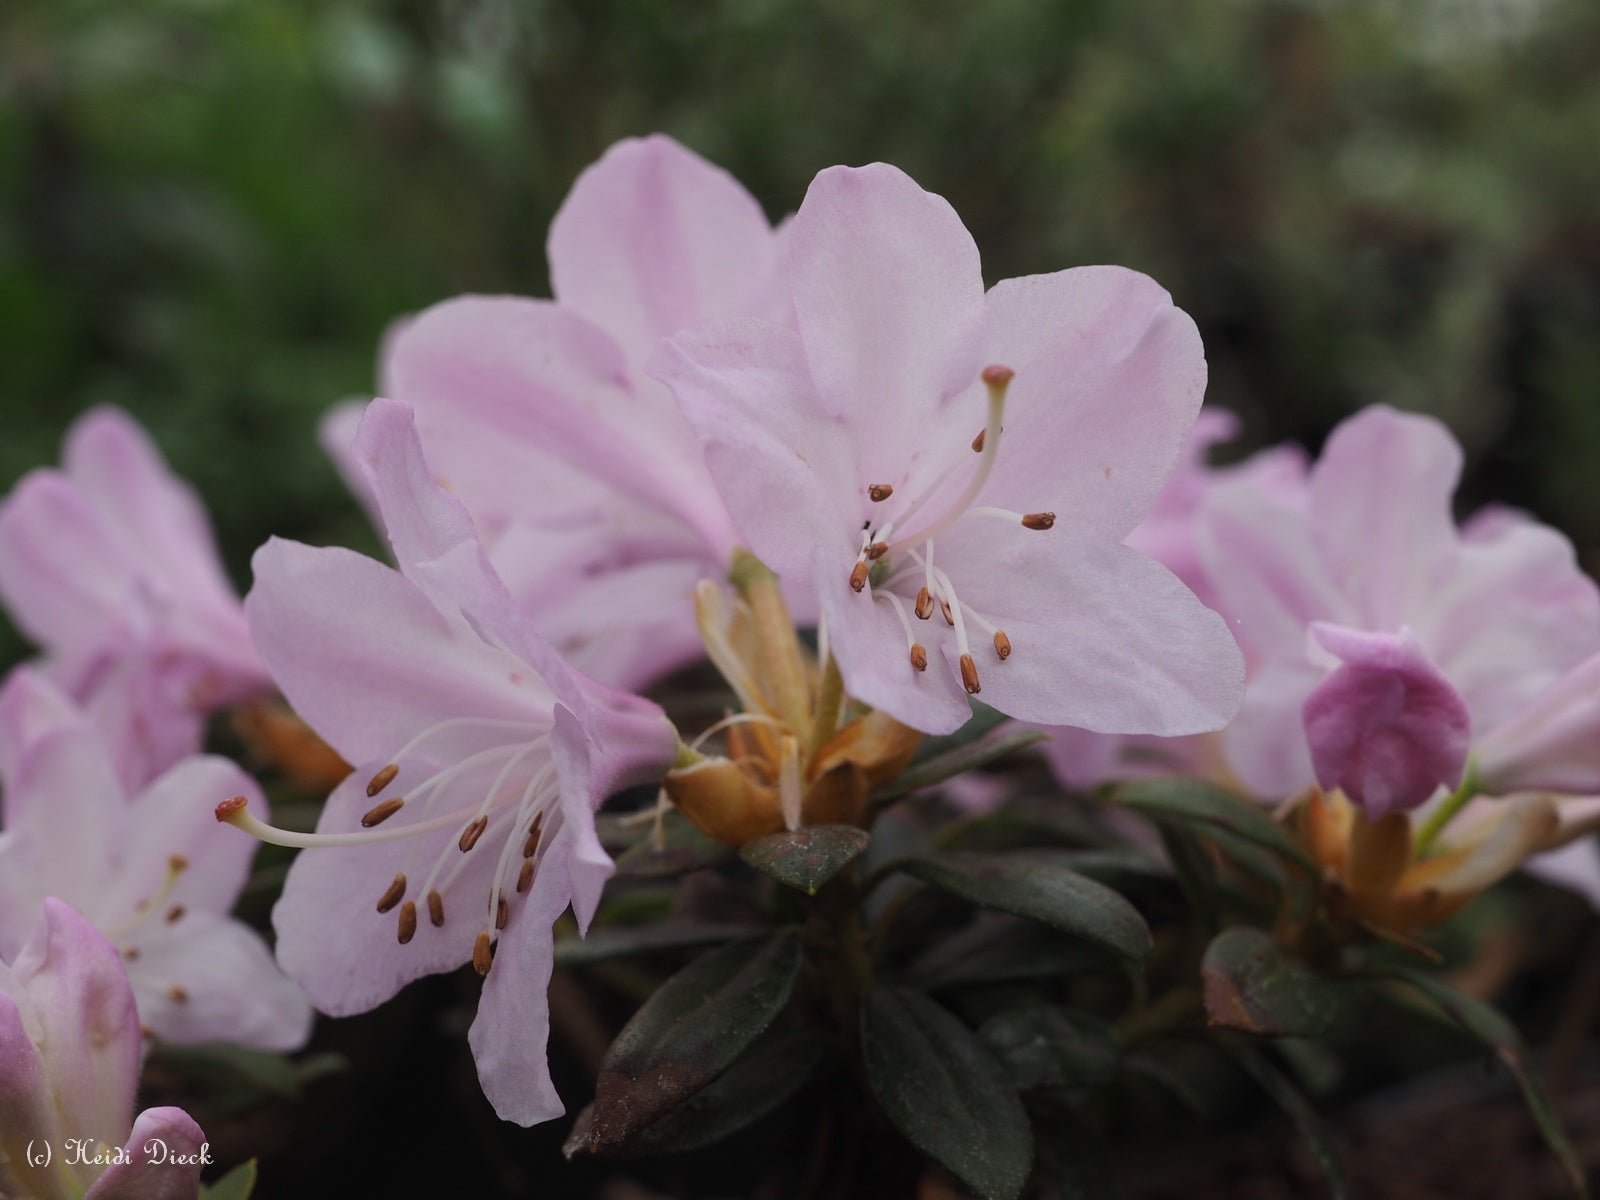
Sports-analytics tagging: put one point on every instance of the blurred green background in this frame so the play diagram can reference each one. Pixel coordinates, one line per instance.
(211, 209)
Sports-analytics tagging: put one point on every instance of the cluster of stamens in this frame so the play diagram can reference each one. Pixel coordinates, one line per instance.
(879, 542)
(527, 828)
(146, 910)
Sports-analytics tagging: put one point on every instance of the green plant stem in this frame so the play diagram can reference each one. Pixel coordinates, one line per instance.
(1162, 1015)
(1445, 813)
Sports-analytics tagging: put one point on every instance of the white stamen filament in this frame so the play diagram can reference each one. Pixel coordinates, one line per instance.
(1004, 514)
(991, 447)
(457, 723)
(734, 719)
(244, 819)
(899, 611)
(949, 592)
(480, 812)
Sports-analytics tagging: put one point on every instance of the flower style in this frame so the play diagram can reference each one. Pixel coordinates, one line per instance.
(468, 826)
(69, 1068)
(151, 871)
(846, 454)
(583, 480)
(1384, 643)
(109, 565)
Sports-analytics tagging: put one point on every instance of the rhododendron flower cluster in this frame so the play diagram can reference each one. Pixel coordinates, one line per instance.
(863, 488)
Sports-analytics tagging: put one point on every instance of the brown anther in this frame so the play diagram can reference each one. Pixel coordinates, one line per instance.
(969, 675)
(130, 953)
(949, 617)
(482, 954)
(435, 907)
(1002, 644)
(502, 913)
(382, 779)
(407, 929)
(879, 492)
(1038, 520)
(179, 993)
(146, 1032)
(177, 864)
(877, 550)
(393, 896)
(919, 656)
(977, 442)
(998, 376)
(379, 813)
(530, 844)
(175, 914)
(924, 607)
(471, 834)
(525, 877)
(858, 575)
(227, 809)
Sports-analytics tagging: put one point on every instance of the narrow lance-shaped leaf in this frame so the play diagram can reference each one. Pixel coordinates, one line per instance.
(617, 941)
(1197, 800)
(1041, 885)
(1495, 1032)
(946, 1091)
(1251, 985)
(1288, 1097)
(806, 859)
(957, 761)
(687, 1034)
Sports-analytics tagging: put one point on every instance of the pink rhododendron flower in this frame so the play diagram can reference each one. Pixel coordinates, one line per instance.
(944, 563)
(468, 826)
(69, 1069)
(583, 480)
(1381, 641)
(151, 870)
(109, 565)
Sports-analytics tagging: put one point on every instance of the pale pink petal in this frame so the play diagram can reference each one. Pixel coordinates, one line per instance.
(66, 796)
(65, 577)
(1102, 637)
(1386, 726)
(1265, 572)
(870, 646)
(786, 468)
(232, 990)
(364, 656)
(331, 938)
(652, 239)
(1552, 745)
(73, 985)
(1380, 508)
(889, 294)
(1265, 744)
(1516, 612)
(26, 1111)
(30, 707)
(336, 434)
(164, 1155)
(155, 515)
(1109, 378)
(556, 386)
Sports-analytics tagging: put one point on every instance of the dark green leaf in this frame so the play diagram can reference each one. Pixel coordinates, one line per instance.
(774, 1069)
(237, 1184)
(615, 942)
(1501, 1038)
(1039, 884)
(1283, 1092)
(1045, 1046)
(1252, 985)
(1192, 865)
(1147, 1065)
(239, 1075)
(957, 761)
(806, 858)
(1000, 949)
(687, 1034)
(1196, 800)
(983, 720)
(946, 1091)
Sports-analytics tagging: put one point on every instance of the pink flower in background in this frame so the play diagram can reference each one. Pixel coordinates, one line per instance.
(151, 870)
(468, 826)
(583, 480)
(944, 563)
(70, 1048)
(1381, 642)
(109, 565)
